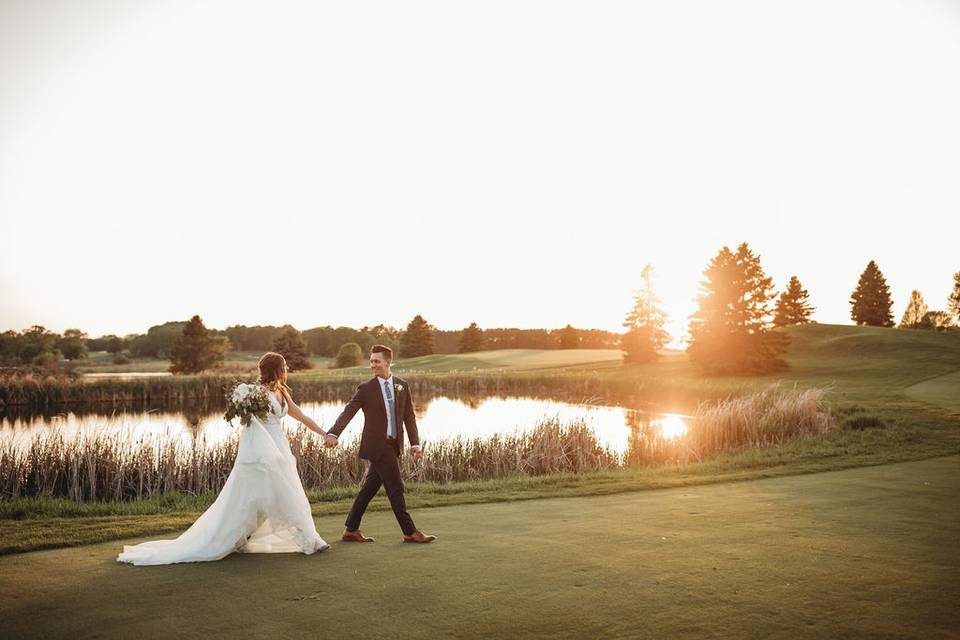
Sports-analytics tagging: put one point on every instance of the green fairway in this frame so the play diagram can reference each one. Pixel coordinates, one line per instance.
(527, 359)
(505, 359)
(942, 390)
(862, 553)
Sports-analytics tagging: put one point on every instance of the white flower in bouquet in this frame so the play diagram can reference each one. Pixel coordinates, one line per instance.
(246, 401)
(241, 392)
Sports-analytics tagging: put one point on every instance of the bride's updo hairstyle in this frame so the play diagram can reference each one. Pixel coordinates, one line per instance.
(273, 372)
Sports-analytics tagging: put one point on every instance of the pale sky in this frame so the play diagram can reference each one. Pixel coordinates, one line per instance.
(509, 163)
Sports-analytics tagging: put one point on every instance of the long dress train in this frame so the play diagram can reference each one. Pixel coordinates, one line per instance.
(262, 507)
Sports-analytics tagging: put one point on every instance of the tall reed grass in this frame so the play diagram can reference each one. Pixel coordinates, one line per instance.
(51, 393)
(114, 467)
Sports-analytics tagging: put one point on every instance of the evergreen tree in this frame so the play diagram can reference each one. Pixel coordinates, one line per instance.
(870, 303)
(936, 320)
(645, 334)
(915, 311)
(417, 340)
(731, 331)
(569, 338)
(196, 350)
(953, 302)
(471, 339)
(293, 348)
(793, 305)
(349, 355)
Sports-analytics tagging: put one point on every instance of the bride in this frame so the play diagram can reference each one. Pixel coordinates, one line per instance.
(262, 507)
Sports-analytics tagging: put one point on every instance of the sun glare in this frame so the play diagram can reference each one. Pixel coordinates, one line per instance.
(672, 426)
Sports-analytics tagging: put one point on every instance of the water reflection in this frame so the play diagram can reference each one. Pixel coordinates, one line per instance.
(439, 418)
(672, 425)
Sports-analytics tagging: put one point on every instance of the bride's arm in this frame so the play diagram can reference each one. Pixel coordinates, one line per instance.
(294, 411)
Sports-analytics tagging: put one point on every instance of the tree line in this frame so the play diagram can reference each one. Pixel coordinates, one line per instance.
(197, 348)
(192, 347)
(735, 328)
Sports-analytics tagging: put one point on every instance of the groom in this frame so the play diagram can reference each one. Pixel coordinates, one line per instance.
(387, 408)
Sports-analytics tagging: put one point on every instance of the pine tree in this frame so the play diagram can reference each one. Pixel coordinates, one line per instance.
(569, 338)
(471, 339)
(731, 332)
(793, 305)
(291, 345)
(953, 302)
(915, 311)
(196, 350)
(645, 335)
(417, 340)
(870, 303)
(935, 320)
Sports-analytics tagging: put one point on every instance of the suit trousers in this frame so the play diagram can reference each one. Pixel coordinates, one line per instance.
(385, 471)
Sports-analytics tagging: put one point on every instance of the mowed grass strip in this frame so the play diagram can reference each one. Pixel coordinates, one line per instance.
(870, 552)
(942, 390)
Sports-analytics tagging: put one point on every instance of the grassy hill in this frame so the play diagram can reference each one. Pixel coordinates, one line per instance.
(871, 362)
(900, 357)
(502, 359)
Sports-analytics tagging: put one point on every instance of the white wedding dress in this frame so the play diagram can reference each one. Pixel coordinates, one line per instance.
(261, 509)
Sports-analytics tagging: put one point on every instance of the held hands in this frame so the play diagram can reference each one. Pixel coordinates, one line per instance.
(330, 441)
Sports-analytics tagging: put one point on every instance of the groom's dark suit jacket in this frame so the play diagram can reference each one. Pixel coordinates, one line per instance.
(369, 397)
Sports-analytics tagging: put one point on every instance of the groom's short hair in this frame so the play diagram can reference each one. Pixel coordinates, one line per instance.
(382, 348)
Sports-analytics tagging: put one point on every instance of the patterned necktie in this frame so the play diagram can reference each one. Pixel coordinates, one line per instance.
(389, 393)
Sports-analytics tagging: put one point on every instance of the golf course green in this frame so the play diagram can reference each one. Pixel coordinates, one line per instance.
(859, 553)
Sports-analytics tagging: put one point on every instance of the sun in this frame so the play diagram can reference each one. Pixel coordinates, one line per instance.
(672, 426)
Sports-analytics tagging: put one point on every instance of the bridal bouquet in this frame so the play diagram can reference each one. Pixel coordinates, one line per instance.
(245, 401)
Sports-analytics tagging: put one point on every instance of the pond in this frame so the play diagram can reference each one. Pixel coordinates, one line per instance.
(439, 418)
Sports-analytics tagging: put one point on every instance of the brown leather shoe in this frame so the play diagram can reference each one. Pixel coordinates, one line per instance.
(419, 536)
(354, 536)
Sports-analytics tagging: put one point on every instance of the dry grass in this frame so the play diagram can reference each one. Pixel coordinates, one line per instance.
(54, 393)
(115, 467)
(764, 419)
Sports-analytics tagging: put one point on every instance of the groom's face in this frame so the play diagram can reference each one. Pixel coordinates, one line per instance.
(380, 365)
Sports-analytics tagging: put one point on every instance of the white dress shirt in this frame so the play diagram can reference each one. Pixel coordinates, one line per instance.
(391, 416)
